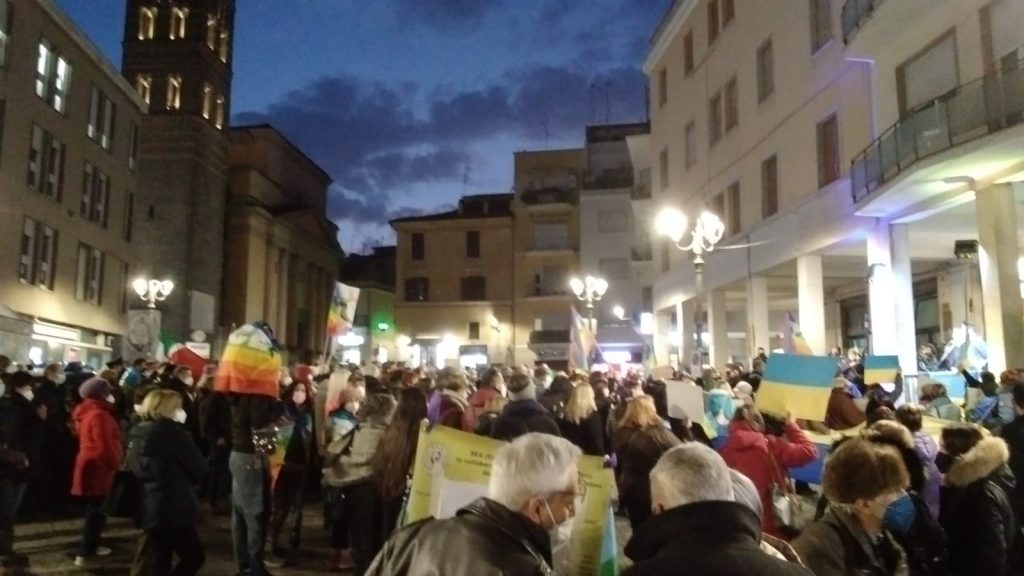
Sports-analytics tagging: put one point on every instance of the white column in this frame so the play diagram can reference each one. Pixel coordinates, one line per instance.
(998, 254)
(881, 298)
(757, 315)
(684, 330)
(719, 352)
(687, 335)
(662, 325)
(903, 292)
(811, 295)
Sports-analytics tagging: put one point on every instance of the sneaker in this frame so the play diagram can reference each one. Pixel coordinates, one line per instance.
(102, 552)
(81, 562)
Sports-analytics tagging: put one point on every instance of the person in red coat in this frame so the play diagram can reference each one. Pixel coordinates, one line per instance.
(765, 459)
(97, 463)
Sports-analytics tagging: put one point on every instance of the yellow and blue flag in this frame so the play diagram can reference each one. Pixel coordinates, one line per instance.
(881, 369)
(800, 385)
(794, 341)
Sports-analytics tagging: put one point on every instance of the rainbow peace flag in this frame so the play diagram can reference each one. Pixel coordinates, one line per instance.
(250, 364)
(881, 369)
(284, 436)
(801, 385)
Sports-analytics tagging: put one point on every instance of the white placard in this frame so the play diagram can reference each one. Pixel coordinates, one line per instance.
(685, 400)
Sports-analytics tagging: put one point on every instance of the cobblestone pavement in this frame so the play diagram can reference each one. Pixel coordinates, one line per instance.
(50, 547)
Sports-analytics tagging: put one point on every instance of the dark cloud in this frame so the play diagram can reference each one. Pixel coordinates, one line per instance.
(442, 15)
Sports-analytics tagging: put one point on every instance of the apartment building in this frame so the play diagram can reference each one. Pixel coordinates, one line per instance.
(282, 252)
(69, 162)
(847, 147)
(546, 251)
(455, 284)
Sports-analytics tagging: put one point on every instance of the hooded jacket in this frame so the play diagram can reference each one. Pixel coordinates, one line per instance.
(705, 539)
(99, 451)
(765, 460)
(483, 538)
(977, 511)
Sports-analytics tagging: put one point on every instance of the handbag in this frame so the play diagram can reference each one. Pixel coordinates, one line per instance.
(787, 507)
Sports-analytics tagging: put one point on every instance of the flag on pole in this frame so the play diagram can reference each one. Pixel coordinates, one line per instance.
(250, 364)
(582, 343)
(340, 313)
(801, 385)
(795, 343)
(170, 350)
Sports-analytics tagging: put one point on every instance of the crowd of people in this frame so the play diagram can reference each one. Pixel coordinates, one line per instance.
(702, 497)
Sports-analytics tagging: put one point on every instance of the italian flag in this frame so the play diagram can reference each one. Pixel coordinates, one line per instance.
(170, 350)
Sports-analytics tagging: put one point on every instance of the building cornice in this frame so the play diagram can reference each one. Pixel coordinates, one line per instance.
(668, 29)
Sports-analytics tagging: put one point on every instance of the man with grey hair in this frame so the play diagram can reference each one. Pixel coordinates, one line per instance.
(532, 492)
(523, 414)
(697, 526)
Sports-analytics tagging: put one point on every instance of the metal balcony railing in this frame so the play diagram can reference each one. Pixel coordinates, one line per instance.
(540, 196)
(608, 179)
(855, 12)
(971, 111)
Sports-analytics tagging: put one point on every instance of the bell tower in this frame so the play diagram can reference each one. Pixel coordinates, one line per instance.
(177, 54)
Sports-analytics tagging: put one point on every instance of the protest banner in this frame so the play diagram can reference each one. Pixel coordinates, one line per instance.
(452, 469)
(685, 400)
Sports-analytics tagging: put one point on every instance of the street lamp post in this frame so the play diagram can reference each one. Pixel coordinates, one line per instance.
(707, 232)
(152, 291)
(589, 290)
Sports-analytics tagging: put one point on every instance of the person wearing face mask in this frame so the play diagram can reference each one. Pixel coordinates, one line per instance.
(168, 466)
(56, 460)
(531, 500)
(865, 485)
(21, 430)
(287, 487)
(697, 526)
(492, 384)
(977, 510)
(97, 463)
(182, 382)
(340, 424)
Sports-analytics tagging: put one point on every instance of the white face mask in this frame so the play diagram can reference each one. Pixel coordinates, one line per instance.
(286, 381)
(61, 378)
(188, 381)
(558, 533)
(12, 368)
(27, 394)
(110, 398)
(352, 407)
(299, 398)
(2, 389)
(179, 416)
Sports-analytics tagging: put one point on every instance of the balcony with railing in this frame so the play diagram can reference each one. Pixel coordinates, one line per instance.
(550, 337)
(980, 108)
(610, 179)
(549, 196)
(642, 253)
(855, 14)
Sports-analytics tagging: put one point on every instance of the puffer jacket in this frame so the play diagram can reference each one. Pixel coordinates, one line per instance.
(99, 452)
(927, 450)
(349, 459)
(766, 460)
(977, 511)
(638, 450)
(836, 545)
(483, 538)
(169, 465)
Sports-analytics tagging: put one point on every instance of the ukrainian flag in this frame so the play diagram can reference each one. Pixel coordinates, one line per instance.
(881, 369)
(800, 385)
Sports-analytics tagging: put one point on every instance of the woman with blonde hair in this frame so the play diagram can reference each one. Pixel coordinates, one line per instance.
(581, 423)
(639, 441)
(162, 455)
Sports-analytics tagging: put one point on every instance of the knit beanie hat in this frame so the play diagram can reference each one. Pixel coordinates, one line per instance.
(95, 388)
(521, 387)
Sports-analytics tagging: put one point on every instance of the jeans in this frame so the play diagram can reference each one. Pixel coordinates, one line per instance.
(92, 528)
(158, 547)
(249, 511)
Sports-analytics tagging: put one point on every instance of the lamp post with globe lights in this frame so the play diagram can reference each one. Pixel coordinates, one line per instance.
(152, 291)
(707, 232)
(589, 290)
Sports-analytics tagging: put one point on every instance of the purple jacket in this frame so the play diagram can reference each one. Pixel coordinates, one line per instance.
(927, 450)
(434, 407)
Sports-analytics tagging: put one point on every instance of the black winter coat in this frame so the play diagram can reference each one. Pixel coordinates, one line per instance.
(1013, 433)
(169, 465)
(522, 417)
(21, 429)
(977, 512)
(705, 539)
(483, 538)
(638, 450)
(215, 415)
(588, 435)
(251, 412)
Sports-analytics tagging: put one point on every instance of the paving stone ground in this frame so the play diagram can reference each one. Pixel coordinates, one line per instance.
(50, 545)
